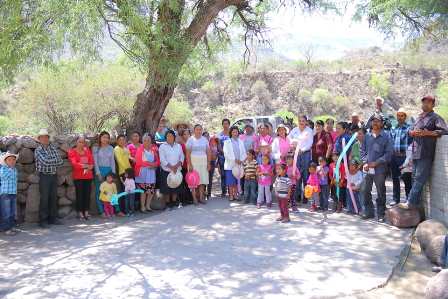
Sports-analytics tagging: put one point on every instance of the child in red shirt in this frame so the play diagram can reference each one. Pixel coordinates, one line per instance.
(339, 202)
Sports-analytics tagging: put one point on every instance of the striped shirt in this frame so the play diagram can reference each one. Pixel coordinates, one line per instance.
(8, 180)
(47, 159)
(282, 185)
(250, 170)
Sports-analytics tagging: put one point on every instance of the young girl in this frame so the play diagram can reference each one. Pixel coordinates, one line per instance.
(406, 171)
(294, 177)
(338, 201)
(265, 174)
(322, 172)
(129, 186)
(250, 178)
(107, 189)
(354, 180)
(282, 189)
(313, 181)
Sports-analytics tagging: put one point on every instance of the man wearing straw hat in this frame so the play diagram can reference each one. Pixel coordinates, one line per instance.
(47, 160)
(8, 193)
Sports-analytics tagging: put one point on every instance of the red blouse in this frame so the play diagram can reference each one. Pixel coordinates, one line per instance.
(77, 160)
(320, 145)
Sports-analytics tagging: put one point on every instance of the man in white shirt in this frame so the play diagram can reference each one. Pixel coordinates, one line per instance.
(301, 139)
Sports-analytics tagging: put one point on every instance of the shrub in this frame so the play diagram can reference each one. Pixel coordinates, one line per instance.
(380, 84)
(442, 97)
(5, 124)
(320, 96)
(209, 86)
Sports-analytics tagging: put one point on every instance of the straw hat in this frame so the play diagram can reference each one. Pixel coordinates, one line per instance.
(43, 132)
(284, 127)
(174, 179)
(402, 110)
(6, 155)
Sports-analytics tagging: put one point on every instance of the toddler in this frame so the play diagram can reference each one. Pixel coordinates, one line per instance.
(8, 193)
(338, 200)
(265, 174)
(250, 178)
(354, 180)
(313, 181)
(107, 189)
(282, 191)
(129, 186)
(322, 172)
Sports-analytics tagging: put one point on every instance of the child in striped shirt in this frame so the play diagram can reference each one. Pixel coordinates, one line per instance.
(282, 191)
(250, 178)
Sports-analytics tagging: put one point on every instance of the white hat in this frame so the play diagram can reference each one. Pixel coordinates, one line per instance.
(284, 127)
(355, 114)
(43, 132)
(402, 110)
(238, 171)
(6, 155)
(174, 179)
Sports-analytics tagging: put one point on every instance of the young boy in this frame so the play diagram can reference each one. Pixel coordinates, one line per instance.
(250, 178)
(354, 180)
(322, 172)
(282, 191)
(8, 193)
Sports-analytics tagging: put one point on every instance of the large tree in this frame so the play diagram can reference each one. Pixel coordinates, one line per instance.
(158, 35)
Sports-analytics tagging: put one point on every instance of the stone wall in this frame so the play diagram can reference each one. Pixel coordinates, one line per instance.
(28, 185)
(435, 196)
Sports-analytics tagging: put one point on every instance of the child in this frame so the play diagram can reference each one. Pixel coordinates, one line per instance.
(338, 201)
(8, 193)
(265, 174)
(294, 177)
(213, 143)
(322, 172)
(250, 178)
(406, 171)
(107, 189)
(313, 180)
(282, 191)
(354, 180)
(129, 186)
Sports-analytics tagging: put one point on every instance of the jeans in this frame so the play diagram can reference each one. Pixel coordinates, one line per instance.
(380, 184)
(83, 188)
(103, 171)
(130, 203)
(395, 164)
(223, 177)
(357, 196)
(48, 207)
(323, 196)
(444, 257)
(264, 192)
(407, 179)
(250, 191)
(210, 177)
(420, 174)
(8, 204)
(303, 163)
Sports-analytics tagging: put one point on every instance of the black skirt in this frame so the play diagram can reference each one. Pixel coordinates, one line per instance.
(164, 189)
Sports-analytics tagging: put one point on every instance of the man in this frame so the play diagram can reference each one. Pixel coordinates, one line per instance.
(427, 128)
(301, 138)
(248, 137)
(47, 160)
(379, 109)
(376, 151)
(223, 136)
(356, 121)
(401, 141)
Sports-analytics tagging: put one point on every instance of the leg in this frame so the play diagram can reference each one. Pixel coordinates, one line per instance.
(367, 195)
(407, 180)
(421, 173)
(395, 164)
(252, 191)
(292, 199)
(5, 212)
(131, 198)
(79, 194)
(247, 190)
(99, 203)
(210, 178)
(285, 208)
(260, 197)
(44, 190)
(87, 192)
(149, 196)
(326, 193)
(350, 207)
(268, 195)
(223, 178)
(380, 184)
(143, 201)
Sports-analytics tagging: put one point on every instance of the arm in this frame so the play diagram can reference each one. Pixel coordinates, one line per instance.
(6, 173)
(95, 159)
(441, 127)
(73, 158)
(112, 160)
(363, 150)
(309, 138)
(181, 156)
(162, 154)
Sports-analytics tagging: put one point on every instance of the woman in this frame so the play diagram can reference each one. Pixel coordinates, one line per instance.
(322, 143)
(82, 162)
(198, 155)
(185, 197)
(103, 155)
(146, 162)
(122, 155)
(213, 144)
(341, 134)
(235, 154)
(281, 145)
(171, 160)
(134, 145)
(248, 137)
(263, 142)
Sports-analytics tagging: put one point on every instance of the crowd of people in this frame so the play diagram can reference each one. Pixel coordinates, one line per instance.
(313, 164)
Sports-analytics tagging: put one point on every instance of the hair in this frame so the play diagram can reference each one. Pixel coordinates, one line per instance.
(225, 120)
(168, 132)
(206, 134)
(321, 159)
(311, 124)
(110, 174)
(303, 116)
(313, 165)
(343, 125)
(320, 122)
(130, 173)
(103, 133)
(354, 162)
(148, 135)
(289, 156)
(233, 128)
(252, 152)
(182, 132)
(266, 156)
(197, 126)
(249, 126)
(136, 132)
(329, 120)
(282, 166)
(121, 136)
(363, 129)
(355, 128)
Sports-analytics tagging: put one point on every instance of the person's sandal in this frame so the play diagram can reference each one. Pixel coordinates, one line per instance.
(10, 232)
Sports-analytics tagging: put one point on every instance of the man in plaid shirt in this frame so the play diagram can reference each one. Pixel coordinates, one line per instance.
(401, 140)
(8, 193)
(47, 160)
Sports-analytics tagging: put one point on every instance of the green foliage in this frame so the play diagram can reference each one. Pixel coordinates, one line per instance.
(284, 113)
(304, 95)
(442, 97)
(380, 84)
(341, 101)
(320, 96)
(178, 111)
(209, 86)
(324, 117)
(5, 125)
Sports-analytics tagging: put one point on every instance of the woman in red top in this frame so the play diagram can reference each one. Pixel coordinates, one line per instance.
(322, 143)
(82, 162)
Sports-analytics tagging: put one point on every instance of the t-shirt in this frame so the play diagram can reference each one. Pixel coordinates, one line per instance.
(107, 190)
(355, 179)
(122, 157)
(322, 172)
(250, 170)
(197, 146)
(281, 186)
(129, 185)
(265, 180)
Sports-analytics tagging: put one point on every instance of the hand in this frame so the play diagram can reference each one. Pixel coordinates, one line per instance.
(238, 162)
(366, 167)
(416, 133)
(89, 167)
(100, 177)
(373, 164)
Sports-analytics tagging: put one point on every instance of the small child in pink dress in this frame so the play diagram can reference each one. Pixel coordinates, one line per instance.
(265, 174)
(313, 181)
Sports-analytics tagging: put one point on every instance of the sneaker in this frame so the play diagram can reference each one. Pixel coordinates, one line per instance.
(121, 214)
(180, 206)
(436, 269)
(279, 219)
(366, 217)
(407, 206)
(381, 220)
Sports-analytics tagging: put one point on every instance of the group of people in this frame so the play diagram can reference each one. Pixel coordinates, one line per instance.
(315, 161)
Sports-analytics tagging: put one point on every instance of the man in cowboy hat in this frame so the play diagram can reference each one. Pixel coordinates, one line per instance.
(401, 140)
(47, 160)
(8, 193)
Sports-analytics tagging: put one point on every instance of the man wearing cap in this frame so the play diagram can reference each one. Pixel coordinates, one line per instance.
(401, 140)
(8, 193)
(379, 109)
(376, 152)
(427, 128)
(47, 160)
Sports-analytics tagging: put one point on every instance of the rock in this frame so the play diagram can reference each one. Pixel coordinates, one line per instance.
(403, 218)
(158, 203)
(21, 198)
(65, 180)
(22, 177)
(62, 191)
(71, 193)
(64, 170)
(29, 142)
(29, 168)
(32, 204)
(26, 156)
(437, 287)
(13, 149)
(64, 201)
(33, 178)
(22, 186)
(427, 230)
(434, 250)
(63, 154)
(64, 211)
(8, 141)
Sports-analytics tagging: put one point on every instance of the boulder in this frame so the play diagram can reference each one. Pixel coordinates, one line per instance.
(64, 211)
(29, 142)
(62, 153)
(434, 250)
(71, 193)
(437, 287)
(427, 230)
(12, 149)
(32, 203)
(26, 156)
(9, 140)
(64, 201)
(61, 191)
(65, 180)
(64, 170)
(158, 203)
(22, 177)
(33, 178)
(29, 168)
(22, 186)
(403, 218)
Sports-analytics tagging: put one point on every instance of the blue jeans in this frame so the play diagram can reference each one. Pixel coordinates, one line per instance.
(303, 163)
(395, 164)
(222, 172)
(250, 191)
(324, 195)
(357, 196)
(7, 211)
(210, 177)
(420, 174)
(130, 203)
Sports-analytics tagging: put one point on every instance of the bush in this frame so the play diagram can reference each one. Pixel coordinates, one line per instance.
(320, 96)
(341, 101)
(380, 84)
(5, 124)
(442, 97)
(209, 86)
(304, 95)
(287, 114)
(324, 118)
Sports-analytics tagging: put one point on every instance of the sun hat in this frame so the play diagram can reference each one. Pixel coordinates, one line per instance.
(43, 132)
(192, 178)
(174, 179)
(284, 127)
(6, 155)
(238, 171)
(402, 110)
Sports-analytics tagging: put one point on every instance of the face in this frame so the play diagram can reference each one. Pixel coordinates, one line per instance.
(170, 138)
(319, 128)
(282, 132)
(265, 160)
(280, 170)
(250, 157)
(302, 122)
(322, 162)
(234, 134)
(10, 161)
(329, 126)
(197, 131)
(263, 130)
(225, 125)
(401, 117)
(109, 179)
(121, 141)
(427, 106)
(45, 140)
(355, 119)
(147, 142)
(105, 139)
(339, 130)
(312, 170)
(334, 158)
(135, 138)
(186, 135)
(379, 103)
(81, 142)
(377, 124)
(353, 167)
(360, 136)
(290, 161)
(249, 131)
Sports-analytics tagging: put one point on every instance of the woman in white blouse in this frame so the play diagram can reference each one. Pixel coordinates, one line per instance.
(235, 154)
(171, 159)
(198, 153)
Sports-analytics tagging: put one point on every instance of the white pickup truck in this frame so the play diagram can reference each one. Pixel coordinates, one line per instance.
(272, 120)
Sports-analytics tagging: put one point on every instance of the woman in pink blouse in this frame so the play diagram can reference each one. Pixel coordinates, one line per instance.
(263, 143)
(281, 145)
